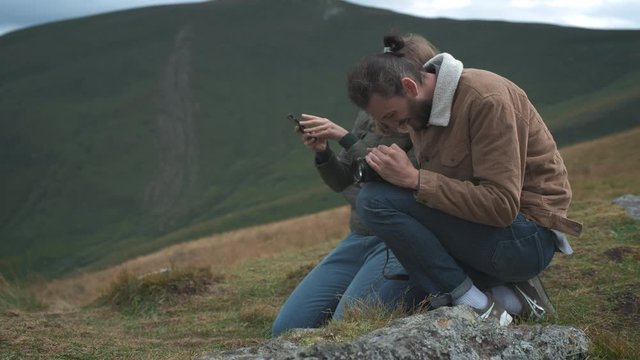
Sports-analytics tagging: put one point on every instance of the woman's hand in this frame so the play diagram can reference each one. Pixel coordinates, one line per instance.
(314, 143)
(322, 128)
(393, 164)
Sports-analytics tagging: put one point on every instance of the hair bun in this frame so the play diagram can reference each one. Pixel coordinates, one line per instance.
(393, 42)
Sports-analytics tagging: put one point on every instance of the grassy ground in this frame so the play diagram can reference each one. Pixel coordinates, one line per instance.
(235, 310)
(596, 289)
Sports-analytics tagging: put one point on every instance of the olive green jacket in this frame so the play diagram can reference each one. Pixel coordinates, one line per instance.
(337, 172)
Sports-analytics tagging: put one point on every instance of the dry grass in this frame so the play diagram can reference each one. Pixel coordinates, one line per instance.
(604, 168)
(144, 295)
(218, 252)
(236, 311)
(360, 318)
(18, 296)
(598, 288)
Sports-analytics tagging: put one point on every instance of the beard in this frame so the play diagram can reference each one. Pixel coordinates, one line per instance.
(420, 111)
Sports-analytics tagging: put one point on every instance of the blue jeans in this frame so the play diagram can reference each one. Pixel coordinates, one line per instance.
(354, 272)
(447, 254)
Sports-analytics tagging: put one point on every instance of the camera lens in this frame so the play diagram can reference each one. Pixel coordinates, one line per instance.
(363, 173)
(359, 170)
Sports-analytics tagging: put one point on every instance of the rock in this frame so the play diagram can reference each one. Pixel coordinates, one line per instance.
(631, 203)
(447, 332)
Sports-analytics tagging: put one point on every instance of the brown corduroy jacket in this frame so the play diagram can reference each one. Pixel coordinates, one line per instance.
(495, 158)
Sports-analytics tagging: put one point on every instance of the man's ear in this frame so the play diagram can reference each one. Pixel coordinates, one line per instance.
(410, 86)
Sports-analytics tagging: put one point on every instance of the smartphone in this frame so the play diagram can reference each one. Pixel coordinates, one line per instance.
(295, 121)
(301, 127)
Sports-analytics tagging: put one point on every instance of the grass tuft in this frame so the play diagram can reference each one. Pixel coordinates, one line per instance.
(16, 296)
(626, 230)
(293, 278)
(361, 318)
(606, 344)
(358, 319)
(143, 295)
(258, 315)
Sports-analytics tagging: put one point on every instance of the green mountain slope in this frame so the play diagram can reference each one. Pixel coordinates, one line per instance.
(125, 132)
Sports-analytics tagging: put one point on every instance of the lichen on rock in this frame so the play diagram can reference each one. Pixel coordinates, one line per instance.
(447, 332)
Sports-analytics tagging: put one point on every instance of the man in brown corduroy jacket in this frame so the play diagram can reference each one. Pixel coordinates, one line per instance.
(489, 200)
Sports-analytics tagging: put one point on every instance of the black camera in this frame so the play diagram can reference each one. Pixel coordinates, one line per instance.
(363, 173)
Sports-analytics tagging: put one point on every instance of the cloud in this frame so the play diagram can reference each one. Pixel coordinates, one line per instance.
(563, 4)
(438, 5)
(596, 14)
(597, 22)
(599, 14)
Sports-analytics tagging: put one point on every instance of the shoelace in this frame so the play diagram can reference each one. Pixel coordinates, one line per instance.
(486, 314)
(537, 311)
(504, 320)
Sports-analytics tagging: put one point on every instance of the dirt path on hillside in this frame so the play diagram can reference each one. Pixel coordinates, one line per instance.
(175, 131)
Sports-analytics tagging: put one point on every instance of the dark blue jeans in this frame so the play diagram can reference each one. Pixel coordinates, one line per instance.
(358, 271)
(444, 252)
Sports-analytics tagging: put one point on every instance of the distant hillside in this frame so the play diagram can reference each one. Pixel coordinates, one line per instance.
(126, 132)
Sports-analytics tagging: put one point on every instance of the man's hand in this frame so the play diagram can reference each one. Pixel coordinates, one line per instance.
(393, 164)
(322, 128)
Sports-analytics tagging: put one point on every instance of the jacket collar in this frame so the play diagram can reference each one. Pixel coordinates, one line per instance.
(448, 71)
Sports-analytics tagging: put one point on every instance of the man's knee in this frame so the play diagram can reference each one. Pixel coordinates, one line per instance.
(369, 199)
(376, 197)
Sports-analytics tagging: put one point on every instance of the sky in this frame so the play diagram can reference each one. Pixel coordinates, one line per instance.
(592, 14)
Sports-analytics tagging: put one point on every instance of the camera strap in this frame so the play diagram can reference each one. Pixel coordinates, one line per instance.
(394, 276)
